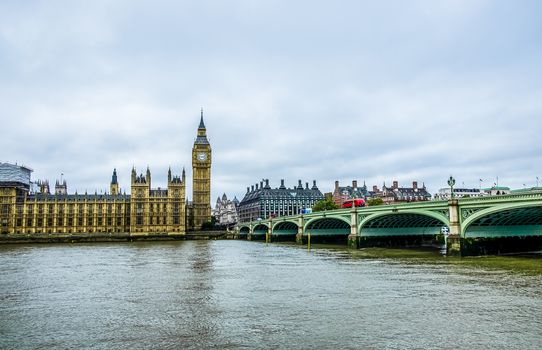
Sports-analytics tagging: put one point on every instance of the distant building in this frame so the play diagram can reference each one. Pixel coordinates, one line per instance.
(343, 193)
(396, 194)
(526, 190)
(262, 202)
(496, 190)
(445, 193)
(226, 211)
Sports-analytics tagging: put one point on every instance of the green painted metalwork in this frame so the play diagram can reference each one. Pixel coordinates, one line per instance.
(503, 231)
(284, 232)
(400, 231)
(327, 223)
(328, 232)
(502, 221)
(402, 220)
(465, 213)
(505, 215)
(285, 225)
(260, 227)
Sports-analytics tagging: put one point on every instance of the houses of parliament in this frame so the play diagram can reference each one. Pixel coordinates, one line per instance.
(144, 211)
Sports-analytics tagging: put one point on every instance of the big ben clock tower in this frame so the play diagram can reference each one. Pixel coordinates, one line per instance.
(201, 177)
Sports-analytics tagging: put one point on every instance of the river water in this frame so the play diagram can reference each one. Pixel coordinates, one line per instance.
(247, 295)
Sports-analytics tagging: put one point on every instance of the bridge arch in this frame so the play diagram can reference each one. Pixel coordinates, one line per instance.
(326, 223)
(285, 225)
(327, 229)
(244, 231)
(516, 220)
(284, 231)
(259, 231)
(410, 225)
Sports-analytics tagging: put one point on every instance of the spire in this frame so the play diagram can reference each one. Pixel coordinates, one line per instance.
(201, 138)
(169, 175)
(184, 174)
(114, 177)
(201, 124)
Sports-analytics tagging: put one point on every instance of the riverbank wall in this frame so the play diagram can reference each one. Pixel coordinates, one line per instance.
(111, 237)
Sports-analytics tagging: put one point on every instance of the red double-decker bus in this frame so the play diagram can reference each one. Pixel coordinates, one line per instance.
(358, 202)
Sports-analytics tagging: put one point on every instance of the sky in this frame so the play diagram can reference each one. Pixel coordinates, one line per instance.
(374, 91)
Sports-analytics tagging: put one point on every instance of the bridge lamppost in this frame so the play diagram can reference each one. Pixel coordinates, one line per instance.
(451, 183)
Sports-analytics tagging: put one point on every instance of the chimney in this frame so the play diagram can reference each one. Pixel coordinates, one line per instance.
(395, 184)
(266, 183)
(314, 185)
(252, 188)
(299, 185)
(354, 184)
(306, 185)
(414, 184)
(282, 184)
(256, 187)
(375, 188)
(336, 185)
(261, 185)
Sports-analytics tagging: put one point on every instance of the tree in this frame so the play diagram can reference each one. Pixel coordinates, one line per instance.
(209, 225)
(325, 204)
(374, 201)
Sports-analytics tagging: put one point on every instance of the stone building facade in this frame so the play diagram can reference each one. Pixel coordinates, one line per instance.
(262, 202)
(226, 211)
(396, 194)
(145, 210)
(342, 194)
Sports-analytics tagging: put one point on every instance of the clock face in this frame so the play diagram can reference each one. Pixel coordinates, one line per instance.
(202, 157)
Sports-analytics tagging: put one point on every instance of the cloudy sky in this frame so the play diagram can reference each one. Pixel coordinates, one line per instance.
(327, 90)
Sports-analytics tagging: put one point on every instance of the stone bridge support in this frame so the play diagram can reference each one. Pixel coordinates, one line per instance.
(269, 231)
(300, 230)
(250, 232)
(453, 246)
(353, 241)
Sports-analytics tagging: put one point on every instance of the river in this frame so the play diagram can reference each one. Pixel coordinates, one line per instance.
(248, 295)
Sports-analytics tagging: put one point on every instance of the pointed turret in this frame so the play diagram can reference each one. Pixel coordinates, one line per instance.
(202, 132)
(114, 187)
(201, 123)
(184, 174)
(169, 175)
(133, 174)
(148, 176)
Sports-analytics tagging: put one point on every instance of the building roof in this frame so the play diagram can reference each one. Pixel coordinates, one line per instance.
(497, 188)
(406, 192)
(281, 193)
(353, 192)
(44, 197)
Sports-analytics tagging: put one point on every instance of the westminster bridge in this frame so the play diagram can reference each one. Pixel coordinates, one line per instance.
(472, 226)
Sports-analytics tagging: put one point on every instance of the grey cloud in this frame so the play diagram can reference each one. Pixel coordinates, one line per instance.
(310, 90)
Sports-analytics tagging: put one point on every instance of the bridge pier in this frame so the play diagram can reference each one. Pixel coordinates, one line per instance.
(353, 239)
(453, 241)
(300, 230)
(250, 231)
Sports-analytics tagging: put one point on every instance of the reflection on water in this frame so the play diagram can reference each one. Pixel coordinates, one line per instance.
(235, 294)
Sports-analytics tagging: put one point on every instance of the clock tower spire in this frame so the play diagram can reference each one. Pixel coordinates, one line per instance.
(201, 177)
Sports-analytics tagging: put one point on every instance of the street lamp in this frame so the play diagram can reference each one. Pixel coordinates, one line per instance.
(451, 183)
